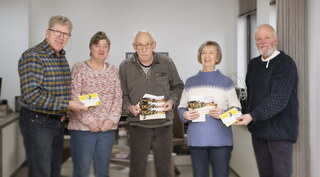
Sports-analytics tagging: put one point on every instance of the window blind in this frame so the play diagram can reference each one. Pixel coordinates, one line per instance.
(247, 7)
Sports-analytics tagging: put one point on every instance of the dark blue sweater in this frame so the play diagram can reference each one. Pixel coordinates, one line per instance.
(272, 98)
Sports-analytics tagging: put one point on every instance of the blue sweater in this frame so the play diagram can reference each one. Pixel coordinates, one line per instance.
(272, 98)
(218, 88)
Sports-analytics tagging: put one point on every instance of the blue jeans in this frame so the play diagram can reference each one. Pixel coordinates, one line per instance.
(218, 157)
(43, 141)
(87, 146)
(141, 141)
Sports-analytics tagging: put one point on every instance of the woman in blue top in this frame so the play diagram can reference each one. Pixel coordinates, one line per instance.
(209, 140)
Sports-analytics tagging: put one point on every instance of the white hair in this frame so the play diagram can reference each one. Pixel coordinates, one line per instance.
(142, 31)
(268, 26)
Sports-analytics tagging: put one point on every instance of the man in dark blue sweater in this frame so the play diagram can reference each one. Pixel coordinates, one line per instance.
(272, 110)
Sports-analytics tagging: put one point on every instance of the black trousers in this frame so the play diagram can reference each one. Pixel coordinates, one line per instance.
(274, 158)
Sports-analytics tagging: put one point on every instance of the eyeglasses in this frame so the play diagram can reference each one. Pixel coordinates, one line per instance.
(59, 33)
(147, 46)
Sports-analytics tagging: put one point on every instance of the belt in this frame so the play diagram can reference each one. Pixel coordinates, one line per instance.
(54, 116)
(50, 116)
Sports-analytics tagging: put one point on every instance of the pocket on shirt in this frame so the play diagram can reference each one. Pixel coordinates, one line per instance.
(162, 78)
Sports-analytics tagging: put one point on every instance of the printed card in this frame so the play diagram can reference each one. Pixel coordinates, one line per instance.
(90, 99)
(229, 117)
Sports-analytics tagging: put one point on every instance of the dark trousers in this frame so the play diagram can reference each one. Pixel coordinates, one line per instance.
(43, 141)
(274, 158)
(218, 157)
(144, 139)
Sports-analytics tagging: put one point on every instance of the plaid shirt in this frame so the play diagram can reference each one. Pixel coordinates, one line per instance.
(45, 80)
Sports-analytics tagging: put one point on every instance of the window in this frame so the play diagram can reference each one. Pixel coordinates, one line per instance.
(246, 48)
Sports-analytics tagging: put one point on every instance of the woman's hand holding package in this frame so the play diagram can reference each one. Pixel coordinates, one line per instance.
(191, 115)
(215, 112)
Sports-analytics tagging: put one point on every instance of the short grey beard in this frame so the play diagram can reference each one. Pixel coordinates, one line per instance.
(268, 53)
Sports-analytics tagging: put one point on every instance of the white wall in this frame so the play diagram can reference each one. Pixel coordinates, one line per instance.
(179, 26)
(264, 13)
(314, 83)
(13, 41)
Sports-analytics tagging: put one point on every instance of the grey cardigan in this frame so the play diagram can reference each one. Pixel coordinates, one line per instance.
(161, 79)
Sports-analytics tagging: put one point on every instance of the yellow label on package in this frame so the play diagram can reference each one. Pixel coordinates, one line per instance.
(90, 99)
(230, 116)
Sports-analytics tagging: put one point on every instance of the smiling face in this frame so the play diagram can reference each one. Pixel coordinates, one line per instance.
(209, 58)
(100, 51)
(57, 42)
(144, 46)
(266, 41)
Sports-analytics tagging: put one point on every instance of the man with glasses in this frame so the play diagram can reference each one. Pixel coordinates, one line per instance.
(149, 72)
(45, 80)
